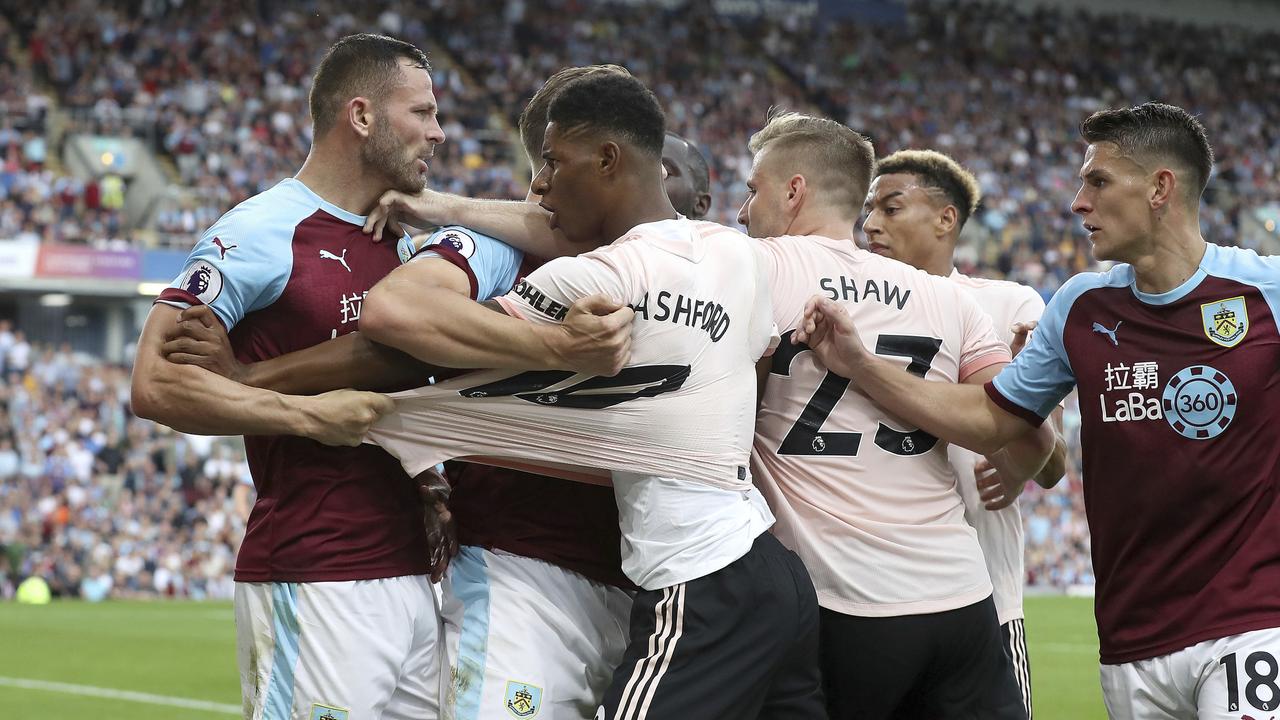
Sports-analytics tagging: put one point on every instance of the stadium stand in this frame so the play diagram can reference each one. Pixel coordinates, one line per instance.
(102, 504)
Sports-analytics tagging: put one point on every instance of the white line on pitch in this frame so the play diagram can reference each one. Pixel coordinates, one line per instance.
(113, 694)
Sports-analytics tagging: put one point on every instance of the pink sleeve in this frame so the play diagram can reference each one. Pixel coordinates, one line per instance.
(980, 348)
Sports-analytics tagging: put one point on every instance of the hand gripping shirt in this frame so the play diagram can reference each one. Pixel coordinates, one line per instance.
(868, 502)
(673, 428)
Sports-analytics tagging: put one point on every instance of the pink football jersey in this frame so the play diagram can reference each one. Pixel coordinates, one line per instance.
(867, 501)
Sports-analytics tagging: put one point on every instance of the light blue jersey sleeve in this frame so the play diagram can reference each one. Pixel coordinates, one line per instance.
(241, 263)
(1249, 268)
(1041, 376)
(492, 266)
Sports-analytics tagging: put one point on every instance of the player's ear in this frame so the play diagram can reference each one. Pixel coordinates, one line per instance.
(607, 157)
(360, 116)
(1163, 187)
(702, 205)
(946, 220)
(796, 188)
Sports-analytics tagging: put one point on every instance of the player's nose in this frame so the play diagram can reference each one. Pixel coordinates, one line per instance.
(541, 182)
(744, 219)
(1081, 205)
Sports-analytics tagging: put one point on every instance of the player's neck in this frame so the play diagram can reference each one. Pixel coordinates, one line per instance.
(340, 181)
(823, 224)
(646, 205)
(1174, 257)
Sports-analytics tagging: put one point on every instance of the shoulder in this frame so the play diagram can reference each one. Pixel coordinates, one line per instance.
(269, 215)
(1242, 265)
(1002, 292)
(1079, 284)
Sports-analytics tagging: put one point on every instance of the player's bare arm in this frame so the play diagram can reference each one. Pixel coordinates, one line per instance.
(194, 400)
(350, 361)
(958, 413)
(521, 224)
(443, 327)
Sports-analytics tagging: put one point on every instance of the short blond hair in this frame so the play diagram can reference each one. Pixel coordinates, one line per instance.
(836, 159)
(939, 172)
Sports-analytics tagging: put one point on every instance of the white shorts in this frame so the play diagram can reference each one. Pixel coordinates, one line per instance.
(366, 649)
(529, 639)
(1225, 679)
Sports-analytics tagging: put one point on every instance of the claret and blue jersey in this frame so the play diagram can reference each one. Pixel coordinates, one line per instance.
(1180, 408)
(283, 271)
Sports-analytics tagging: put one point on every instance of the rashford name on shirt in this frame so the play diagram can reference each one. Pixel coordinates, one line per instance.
(848, 289)
(706, 315)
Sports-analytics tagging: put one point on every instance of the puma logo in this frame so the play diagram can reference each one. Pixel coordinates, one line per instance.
(223, 249)
(326, 255)
(1111, 334)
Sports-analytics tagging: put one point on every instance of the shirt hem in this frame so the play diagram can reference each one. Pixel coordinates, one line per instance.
(328, 576)
(1217, 633)
(919, 607)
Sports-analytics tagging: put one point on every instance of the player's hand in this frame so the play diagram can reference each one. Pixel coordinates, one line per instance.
(995, 491)
(198, 338)
(828, 330)
(595, 337)
(442, 536)
(1021, 334)
(395, 208)
(343, 417)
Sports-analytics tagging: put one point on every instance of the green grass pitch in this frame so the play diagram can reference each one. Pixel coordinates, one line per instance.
(185, 651)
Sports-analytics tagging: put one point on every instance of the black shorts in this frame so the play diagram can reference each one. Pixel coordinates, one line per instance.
(738, 644)
(941, 666)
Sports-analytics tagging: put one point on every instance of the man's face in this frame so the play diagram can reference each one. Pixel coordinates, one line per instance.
(1113, 202)
(570, 186)
(678, 177)
(405, 132)
(765, 212)
(901, 216)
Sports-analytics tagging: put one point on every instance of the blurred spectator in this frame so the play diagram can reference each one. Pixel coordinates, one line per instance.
(97, 503)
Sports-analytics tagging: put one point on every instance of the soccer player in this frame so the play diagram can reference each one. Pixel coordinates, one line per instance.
(673, 426)
(334, 612)
(686, 177)
(1174, 352)
(918, 204)
(869, 502)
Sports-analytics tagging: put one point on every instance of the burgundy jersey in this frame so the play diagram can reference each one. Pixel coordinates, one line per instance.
(283, 271)
(1180, 410)
(569, 524)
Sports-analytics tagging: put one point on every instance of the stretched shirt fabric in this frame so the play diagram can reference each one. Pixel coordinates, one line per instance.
(572, 525)
(678, 418)
(282, 271)
(1180, 432)
(868, 502)
(1000, 531)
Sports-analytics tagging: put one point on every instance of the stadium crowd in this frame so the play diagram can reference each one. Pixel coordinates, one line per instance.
(99, 503)
(221, 90)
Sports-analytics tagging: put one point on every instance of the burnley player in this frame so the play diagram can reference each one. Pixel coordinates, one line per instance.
(1174, 352)
(915, 210)
(333, 607)
(907, 621)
